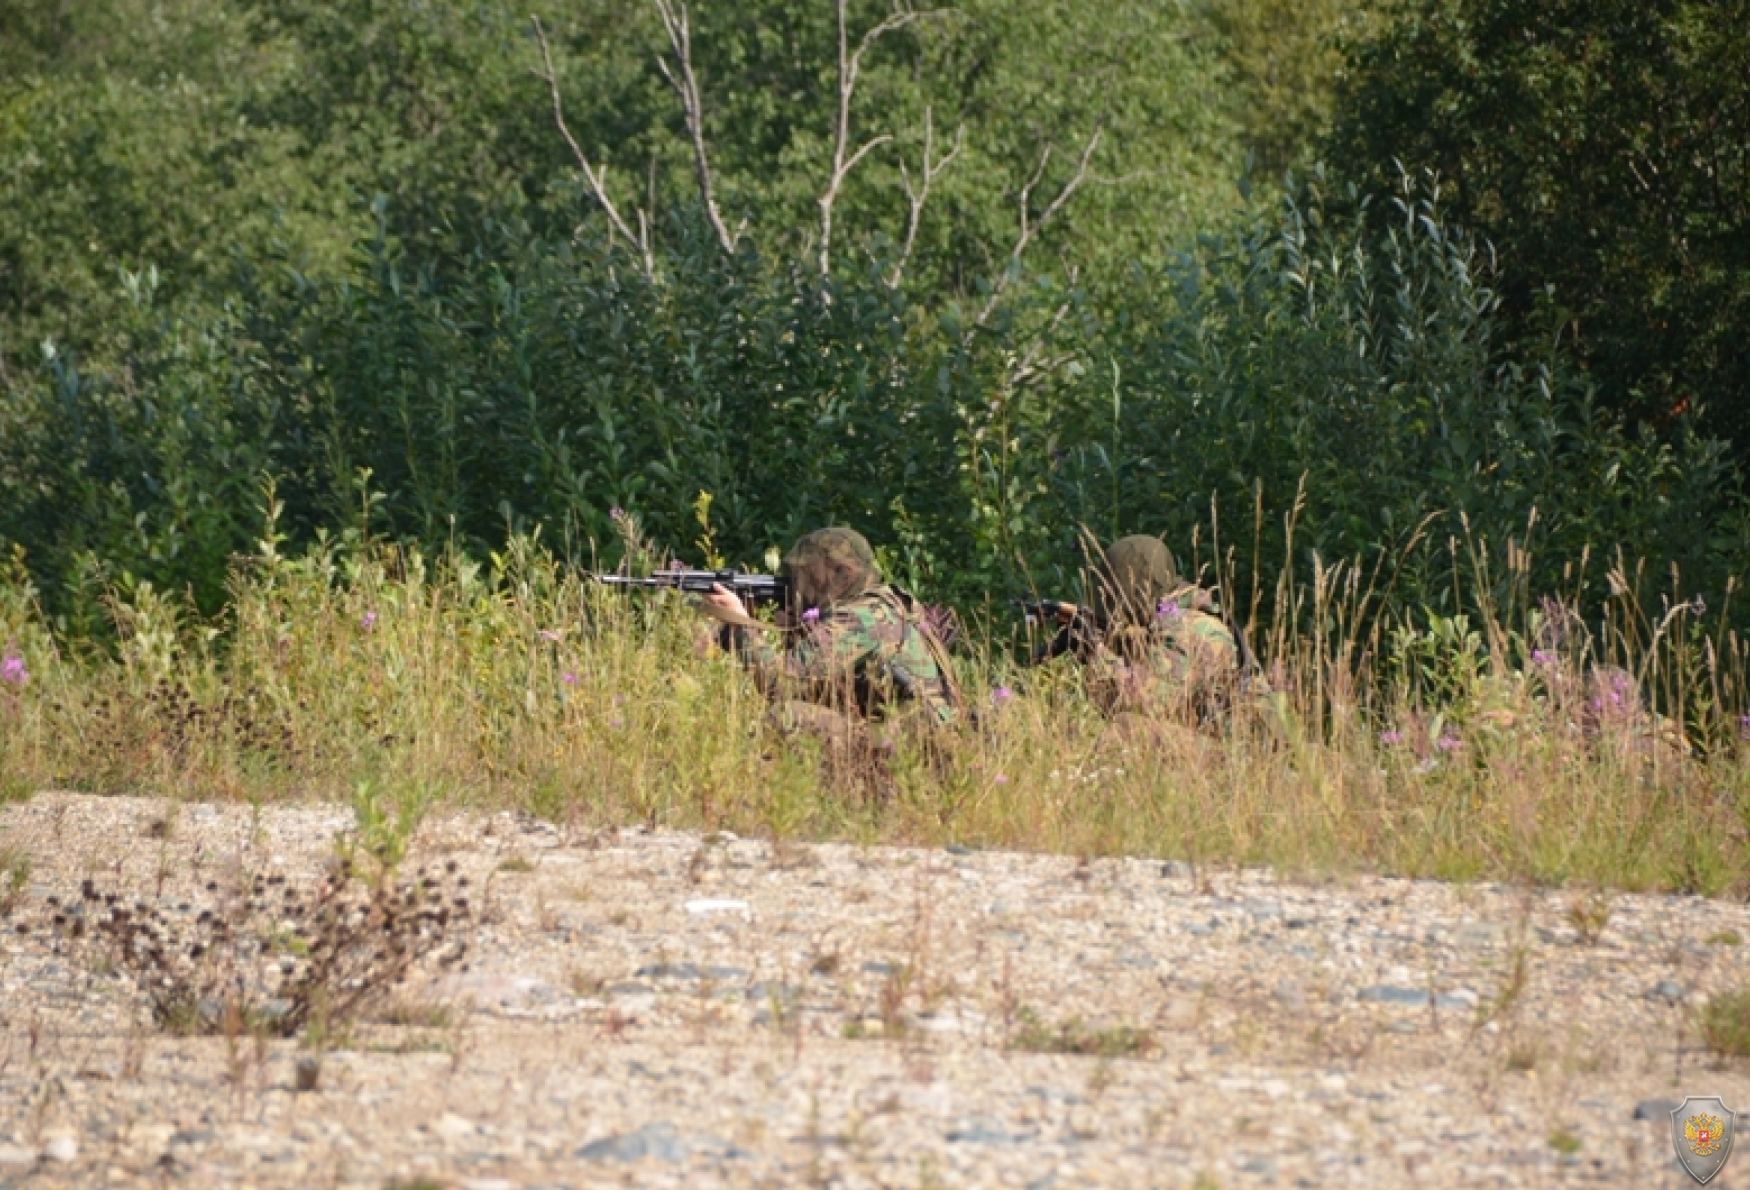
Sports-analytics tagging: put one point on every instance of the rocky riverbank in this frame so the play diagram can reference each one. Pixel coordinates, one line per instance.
(652, 1009)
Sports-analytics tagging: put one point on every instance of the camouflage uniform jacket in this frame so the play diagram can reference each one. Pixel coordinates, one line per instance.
(868, 656)
(1185, 660)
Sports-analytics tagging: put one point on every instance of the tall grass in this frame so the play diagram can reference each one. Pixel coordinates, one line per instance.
(1530, 744)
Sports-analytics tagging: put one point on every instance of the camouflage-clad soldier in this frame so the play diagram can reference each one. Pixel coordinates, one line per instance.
(1150, 642)
(856, 649)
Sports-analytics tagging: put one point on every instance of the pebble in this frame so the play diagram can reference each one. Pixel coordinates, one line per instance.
(1656, 1109)
(712, 906)
(1385, 994)
(62, 1150)
(1666, 990)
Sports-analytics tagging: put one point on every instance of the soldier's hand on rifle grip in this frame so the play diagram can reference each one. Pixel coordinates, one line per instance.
(722, 598)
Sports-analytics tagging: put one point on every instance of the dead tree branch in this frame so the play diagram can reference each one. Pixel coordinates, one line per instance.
(919, 194)
(686, 86)
(1030, 227)
(596, 176)
(844, 159)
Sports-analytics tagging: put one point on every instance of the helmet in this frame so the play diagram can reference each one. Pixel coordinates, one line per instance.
(827, 567)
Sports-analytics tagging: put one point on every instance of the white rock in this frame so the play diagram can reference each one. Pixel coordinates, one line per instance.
(16, 1157)
(63, 1150)
(453, 1127)
(710, 906)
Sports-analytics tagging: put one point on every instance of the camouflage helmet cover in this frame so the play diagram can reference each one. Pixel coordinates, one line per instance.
(1132, 577)
(829, 567)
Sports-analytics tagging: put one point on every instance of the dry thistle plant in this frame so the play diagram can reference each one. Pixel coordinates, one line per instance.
(268, 957)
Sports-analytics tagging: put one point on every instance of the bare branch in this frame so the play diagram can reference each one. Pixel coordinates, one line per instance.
(1030, 227)
(597, 177)
(686, 86)
(919, 194)
(850, 68)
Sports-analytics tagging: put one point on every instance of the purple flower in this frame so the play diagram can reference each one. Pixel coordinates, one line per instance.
(549, 634)
(569, 678)
(1002, 779)
(616, 514)
(1698, 606)
(12, 670)
(1168, 610)
(811, 616)
(1449, 743)
(1001, 694)
(1744, 727)
(1542, 657)
(1389, 738)
(368, 619)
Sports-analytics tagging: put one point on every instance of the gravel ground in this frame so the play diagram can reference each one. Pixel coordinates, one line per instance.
(656, 1009)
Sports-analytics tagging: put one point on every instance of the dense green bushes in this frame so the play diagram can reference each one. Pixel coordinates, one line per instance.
(536, 383)
(1604, 147)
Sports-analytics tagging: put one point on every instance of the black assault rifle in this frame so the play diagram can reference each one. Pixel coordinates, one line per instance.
(1049, 611)
(759, 588)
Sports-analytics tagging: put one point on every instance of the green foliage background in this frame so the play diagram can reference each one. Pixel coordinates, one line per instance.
(321, 238)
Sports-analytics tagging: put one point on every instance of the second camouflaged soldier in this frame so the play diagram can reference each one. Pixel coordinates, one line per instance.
(855, 651)
(1151, 643)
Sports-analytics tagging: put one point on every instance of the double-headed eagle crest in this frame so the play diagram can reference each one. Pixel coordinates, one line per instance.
(1703, 1131)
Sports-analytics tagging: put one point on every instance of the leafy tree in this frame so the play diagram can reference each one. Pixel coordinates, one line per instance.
(1603, 146)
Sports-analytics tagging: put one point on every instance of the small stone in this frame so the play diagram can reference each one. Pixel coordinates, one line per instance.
(660, 1141)
(1666, 990)
(1656, 1109)
(1260, 1165)
(453, 1127)
(16, 1157)
(307, 1073)
(981, 1134)
(667, 971)
(62, 1150)
(1387, 994)
(1175, 869)
(716, 906)
(957, 849)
